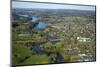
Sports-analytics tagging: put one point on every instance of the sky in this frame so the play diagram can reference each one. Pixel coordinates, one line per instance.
(16, 4)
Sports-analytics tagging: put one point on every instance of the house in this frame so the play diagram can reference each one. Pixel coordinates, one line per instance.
(53, 39)
(83, 39)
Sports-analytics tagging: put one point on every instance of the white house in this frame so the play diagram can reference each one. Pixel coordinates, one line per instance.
(83, 39)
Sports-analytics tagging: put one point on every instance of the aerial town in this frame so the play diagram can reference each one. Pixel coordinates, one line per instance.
(49, 36)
